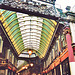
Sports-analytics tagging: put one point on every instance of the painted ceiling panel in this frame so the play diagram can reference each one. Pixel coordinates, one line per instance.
(28, 32)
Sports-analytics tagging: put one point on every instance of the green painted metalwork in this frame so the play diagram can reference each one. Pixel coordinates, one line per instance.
(11, 25)
(12, 29)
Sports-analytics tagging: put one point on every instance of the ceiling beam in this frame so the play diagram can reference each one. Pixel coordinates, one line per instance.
(27, 59)
(2, 6)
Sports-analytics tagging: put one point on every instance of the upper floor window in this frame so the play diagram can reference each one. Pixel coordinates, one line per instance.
(62, 42)
(56, 49)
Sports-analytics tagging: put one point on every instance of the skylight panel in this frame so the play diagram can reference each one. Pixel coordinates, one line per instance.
(30, 27)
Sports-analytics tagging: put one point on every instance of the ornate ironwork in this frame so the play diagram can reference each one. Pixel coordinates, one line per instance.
(46, 9)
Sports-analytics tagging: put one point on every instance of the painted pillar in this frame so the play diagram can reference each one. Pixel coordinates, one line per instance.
(72, 26)
(70, 50)
(69, 42)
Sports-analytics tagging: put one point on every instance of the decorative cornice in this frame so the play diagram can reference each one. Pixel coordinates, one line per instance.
(66, 30)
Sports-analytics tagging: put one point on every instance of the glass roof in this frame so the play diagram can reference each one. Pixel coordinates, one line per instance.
(30, 28)
(28, 32)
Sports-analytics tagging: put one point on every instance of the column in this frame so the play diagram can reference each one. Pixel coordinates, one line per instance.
(8, 53)
(54, 71)
(72, 26)
(44, 64)
(41, 69)
(1, 44)
(69, 42)
(61, 69)
(53, 59)
(12, 59)
(53, 53)
(70, 50)
(6, 71)
(50, 57)
(11, 73)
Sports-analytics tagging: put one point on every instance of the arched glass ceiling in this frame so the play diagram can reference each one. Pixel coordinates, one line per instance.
(30, 27)
(28, 32)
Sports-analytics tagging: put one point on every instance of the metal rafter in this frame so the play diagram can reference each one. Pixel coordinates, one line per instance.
(21, 42)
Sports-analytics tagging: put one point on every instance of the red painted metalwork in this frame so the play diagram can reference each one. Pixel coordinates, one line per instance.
(9, 67)
(67, 53)
(64, 55)
(57, 61)
(70, 49)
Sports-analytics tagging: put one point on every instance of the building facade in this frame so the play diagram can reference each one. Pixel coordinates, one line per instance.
(43, 44)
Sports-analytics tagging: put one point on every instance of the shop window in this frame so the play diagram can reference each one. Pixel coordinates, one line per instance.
(65, 67)
(53, 72)
(58, 70)
(64, 72)
(9, 72)
(13, 73)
